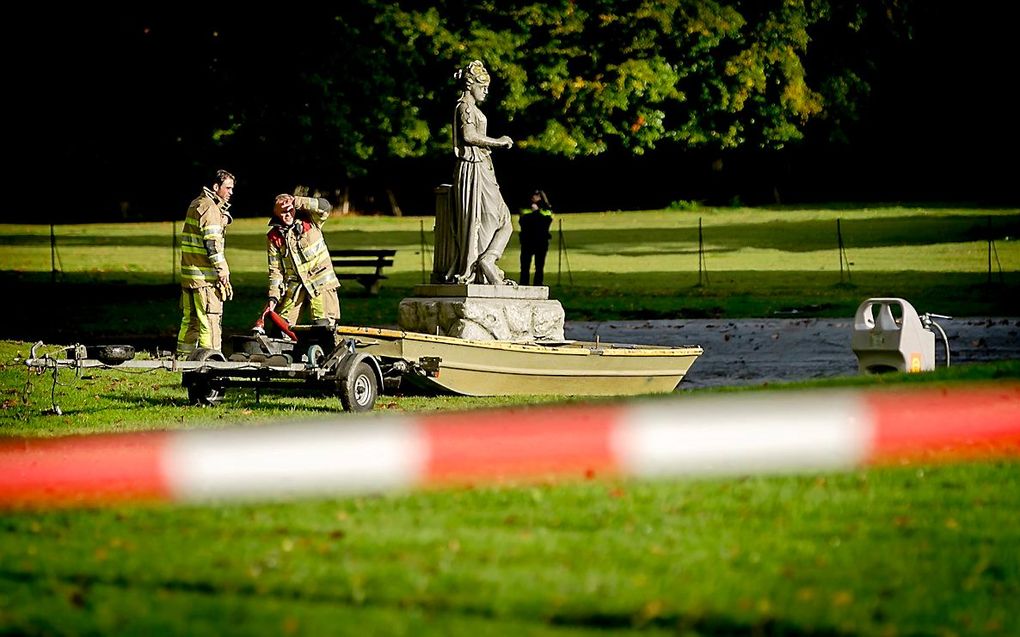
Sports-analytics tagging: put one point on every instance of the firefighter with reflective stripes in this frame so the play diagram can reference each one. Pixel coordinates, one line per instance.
(205, 276)
(300, 271)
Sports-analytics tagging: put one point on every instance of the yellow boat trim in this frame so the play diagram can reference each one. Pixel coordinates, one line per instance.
(568, 349)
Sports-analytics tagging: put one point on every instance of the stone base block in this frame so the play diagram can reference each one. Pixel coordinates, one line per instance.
(479, 290)
(483, 319)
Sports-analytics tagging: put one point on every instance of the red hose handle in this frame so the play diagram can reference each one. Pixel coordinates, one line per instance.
(281, 323)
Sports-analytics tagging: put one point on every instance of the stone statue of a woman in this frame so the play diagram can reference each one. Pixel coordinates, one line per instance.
(481, 218)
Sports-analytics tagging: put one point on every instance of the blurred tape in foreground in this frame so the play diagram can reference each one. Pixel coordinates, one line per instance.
(732, 434)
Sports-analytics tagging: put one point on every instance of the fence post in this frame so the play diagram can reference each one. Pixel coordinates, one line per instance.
(559, 253)
(561, 256)
(702, 264)
(53, 255)
(421, 231)
(989, 249)
(842, 253)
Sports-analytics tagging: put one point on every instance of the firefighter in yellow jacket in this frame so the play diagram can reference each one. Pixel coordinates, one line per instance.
(205, 277)
(300, 271)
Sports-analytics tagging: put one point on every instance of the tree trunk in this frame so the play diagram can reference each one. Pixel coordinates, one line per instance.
(345, 200)
(393, 203)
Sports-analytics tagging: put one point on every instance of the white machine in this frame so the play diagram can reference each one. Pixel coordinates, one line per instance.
(889, 336)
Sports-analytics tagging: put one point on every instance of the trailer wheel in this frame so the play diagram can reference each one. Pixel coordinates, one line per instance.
(112, 354)
(315, 356)
(358, 389)
(201, 391)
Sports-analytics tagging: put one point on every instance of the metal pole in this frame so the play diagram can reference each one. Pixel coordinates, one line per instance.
(989, 249)
(421, 230)
(702, 264)
(839, 245)
(566, 257)
(559, 254)
(842, 253)
(53, 254)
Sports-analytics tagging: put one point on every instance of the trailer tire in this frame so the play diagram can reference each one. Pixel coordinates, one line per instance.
(358, 388)
(201, 391)
(315, 356)
(112, 354)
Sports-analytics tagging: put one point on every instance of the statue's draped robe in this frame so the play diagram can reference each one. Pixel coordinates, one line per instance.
(480, 217)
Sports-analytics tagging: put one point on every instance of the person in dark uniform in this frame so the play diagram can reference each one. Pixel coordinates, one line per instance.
(535, 222)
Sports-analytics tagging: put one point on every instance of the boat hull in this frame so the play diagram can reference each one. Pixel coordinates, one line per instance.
(494, 368)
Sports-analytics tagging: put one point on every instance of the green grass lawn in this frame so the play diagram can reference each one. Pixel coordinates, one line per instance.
(893, 551)
(117, 278)
(903, 550)
(897, 551)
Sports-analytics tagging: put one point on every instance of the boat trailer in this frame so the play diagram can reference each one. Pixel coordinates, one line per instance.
(317, 361)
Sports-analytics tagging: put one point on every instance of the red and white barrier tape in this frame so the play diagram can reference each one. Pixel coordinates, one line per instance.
(689, 436)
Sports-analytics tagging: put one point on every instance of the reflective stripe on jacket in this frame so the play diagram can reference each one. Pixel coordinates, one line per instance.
(535, 224)
(297, 254)
(203, 260)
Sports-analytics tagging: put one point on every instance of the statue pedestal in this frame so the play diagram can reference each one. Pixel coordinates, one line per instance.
(483, 312)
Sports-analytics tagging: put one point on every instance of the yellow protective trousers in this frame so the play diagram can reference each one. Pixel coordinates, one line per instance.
(324, 306)
(202, 320)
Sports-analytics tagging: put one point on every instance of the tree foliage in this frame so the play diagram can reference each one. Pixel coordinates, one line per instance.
(335, 93)
(584, 78)
(372, 80)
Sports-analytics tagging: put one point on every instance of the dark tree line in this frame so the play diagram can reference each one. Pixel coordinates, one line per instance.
(651, 101)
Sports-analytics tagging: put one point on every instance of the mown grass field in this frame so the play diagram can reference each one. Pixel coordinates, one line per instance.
(896, 551)
(916, 549)
(117, 278)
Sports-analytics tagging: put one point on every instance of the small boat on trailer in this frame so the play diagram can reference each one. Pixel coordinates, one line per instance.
(358, 363)
(498, 368)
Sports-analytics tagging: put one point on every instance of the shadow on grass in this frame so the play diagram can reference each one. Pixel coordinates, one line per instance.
(144, 310)
(910, 229)
(236, 398)
(710, 624)
(716, 625)
(340, 237)
(794, 236)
